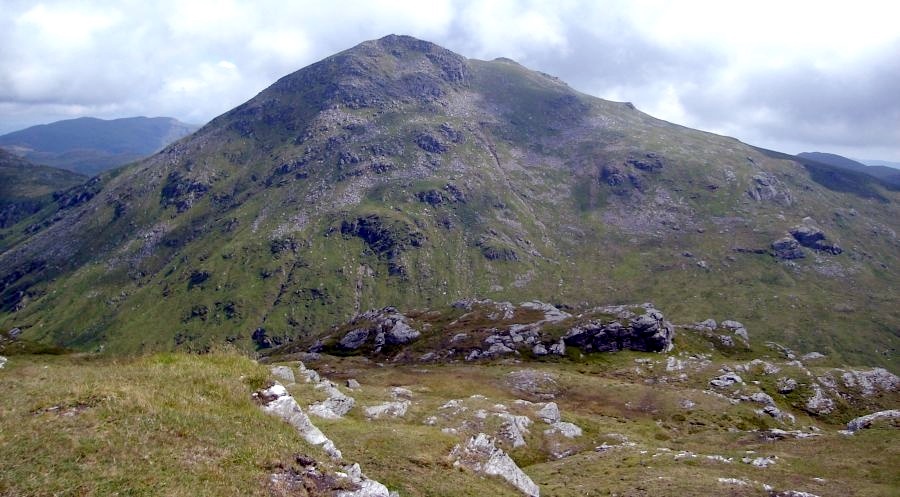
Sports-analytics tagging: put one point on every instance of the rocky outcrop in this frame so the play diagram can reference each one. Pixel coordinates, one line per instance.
(386, 237)
(277, 401)
(480, 454)
(871, 382)
(765, 187)
(348, 483)
(378, 328)
(814, 238)
(648, 332)
(867, 420)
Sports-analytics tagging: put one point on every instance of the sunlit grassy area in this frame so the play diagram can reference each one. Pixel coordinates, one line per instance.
(181, 424)
(170, 424)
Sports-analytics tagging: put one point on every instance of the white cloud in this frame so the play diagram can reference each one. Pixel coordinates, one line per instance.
(800, 74)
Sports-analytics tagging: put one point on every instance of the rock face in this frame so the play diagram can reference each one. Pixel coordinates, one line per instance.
(480, 454)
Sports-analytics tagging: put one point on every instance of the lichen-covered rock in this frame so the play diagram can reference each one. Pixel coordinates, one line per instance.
(726, 380)
(276, 400)
(549, 413)
(283, 373)
(737, 328)
(395, 409)
(354, 339)
(786, 385)
(568, 430)
(819, 403)
(767, 188)
(533, 383)
(479, 454)
(867, 420)
(870, 382)
(514, 428)
(335, 406)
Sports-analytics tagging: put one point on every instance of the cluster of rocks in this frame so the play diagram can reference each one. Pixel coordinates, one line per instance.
(648, 332)
(479, 454)
(379, 328)
(516, 329)
(276, 400)
(724, 333)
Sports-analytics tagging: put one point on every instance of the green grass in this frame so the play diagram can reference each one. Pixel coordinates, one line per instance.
(182, 424)
(167, 424)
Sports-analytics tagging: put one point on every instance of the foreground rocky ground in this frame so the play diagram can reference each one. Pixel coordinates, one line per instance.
(711, 413)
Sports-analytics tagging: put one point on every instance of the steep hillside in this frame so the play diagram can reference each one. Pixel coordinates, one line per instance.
(89, 145)
(399, 173)
(26, 188)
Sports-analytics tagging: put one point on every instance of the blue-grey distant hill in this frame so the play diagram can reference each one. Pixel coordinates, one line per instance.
(887, 174)
(885, 163)
(88, 145)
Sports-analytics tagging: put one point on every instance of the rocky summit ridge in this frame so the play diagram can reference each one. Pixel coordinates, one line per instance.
(398, 173)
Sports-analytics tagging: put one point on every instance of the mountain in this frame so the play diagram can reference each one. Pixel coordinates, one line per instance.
(885, 173)
(26, 188)
(88, 145)
(398, 173)
(873, 162)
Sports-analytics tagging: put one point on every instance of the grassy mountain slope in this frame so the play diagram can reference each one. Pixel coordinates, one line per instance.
(399, 173)
(88, 145)
(26, 188)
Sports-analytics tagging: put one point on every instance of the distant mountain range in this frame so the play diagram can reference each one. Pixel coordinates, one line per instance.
(878, 169)
(874, 162)
(88, 145)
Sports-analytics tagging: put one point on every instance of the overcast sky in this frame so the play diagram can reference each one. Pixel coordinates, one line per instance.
(790, 75)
